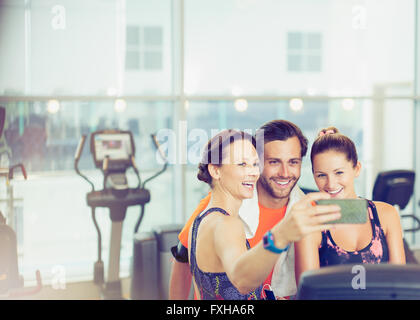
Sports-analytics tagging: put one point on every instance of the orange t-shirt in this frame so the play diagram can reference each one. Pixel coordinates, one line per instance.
(183, 235)
(267, 220)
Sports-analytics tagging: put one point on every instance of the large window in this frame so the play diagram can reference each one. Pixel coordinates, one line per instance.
(304, 52)
(311, 118)
(72, 67)
(144, 48)
(53, 221)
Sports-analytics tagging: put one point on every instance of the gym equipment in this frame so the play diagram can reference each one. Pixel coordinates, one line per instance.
(152, 261)
(166, 236)
(145, 267)
(361, 282)
(11, 282)
(396, 188)
(113, 153)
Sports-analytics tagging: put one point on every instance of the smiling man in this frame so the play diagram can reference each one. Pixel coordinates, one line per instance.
(282, 164)
(284, 147)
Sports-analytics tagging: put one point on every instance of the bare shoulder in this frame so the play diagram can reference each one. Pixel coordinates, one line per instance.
(228, 224)
(211, 222)
(388, 215)
(220, 225)
(214, 220)
(217, 227)
(384, 208)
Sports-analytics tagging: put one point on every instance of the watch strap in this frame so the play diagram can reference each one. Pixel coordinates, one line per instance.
(268, 243)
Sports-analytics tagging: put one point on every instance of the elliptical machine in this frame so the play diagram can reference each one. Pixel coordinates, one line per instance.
(11, 282)
(113, 153)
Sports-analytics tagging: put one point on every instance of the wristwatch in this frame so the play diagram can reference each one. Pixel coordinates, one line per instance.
(268, 242)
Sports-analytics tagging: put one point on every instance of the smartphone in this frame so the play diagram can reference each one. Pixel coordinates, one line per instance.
(353, 211)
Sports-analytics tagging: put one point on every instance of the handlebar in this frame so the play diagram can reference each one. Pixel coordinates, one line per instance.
(77, 158)
(8, 172)
(22, 168)
(417, 220)
(157, 145)
(80, 148)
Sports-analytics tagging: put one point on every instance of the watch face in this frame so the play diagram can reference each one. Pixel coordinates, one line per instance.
(265, 241)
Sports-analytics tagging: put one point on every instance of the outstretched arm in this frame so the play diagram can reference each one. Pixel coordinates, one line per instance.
(248, 269)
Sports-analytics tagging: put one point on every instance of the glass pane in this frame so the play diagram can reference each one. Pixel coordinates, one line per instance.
(294, 63)
(153, 36)
(79, 47)
(294, 40)
(211, 117)
(132, 60)
(313, 41)
(313, 63)
(133, 35)
(152, 60)
(52, 218)
(12, 44)
(362, 48)
(395, 141)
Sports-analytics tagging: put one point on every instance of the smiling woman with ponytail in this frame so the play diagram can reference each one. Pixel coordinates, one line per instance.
(335, 166)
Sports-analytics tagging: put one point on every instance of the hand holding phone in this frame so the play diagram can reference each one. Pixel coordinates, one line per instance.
(353, 211)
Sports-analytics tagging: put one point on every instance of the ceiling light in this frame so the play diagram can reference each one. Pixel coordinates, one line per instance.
(347, 104)
(53, 106)
(241, 105)
(120, 105)
(296, 104)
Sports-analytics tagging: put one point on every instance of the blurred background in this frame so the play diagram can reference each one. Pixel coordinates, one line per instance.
(70, 67)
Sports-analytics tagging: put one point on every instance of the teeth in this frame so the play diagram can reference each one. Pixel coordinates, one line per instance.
(249, 185)
(336, 191)
(282, 183)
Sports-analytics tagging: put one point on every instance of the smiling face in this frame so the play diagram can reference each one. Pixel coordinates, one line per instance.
(334, 174)
(239, 171)
(282, 164)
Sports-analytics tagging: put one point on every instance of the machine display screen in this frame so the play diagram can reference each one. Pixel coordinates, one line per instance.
(117, 146)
